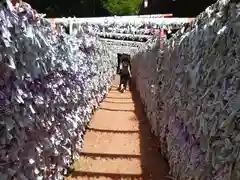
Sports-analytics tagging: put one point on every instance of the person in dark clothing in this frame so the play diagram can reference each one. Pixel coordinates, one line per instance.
(125, 74)
(119, 62)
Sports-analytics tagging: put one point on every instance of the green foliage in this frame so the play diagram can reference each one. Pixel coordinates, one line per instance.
(122, 7)
(78, 8)
(86, 8)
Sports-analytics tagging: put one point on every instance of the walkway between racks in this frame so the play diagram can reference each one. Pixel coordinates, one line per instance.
(118, 143)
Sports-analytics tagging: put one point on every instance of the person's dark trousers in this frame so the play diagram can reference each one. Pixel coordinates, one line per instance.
(124, 80)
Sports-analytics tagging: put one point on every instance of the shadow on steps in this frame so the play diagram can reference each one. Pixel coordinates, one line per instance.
(114, 131)
(154, 166)
(114, 176)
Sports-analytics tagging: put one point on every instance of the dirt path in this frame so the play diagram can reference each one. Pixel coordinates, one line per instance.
(118, 144)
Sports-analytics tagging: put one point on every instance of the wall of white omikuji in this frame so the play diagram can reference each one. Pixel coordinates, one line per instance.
(50, 83)
(191, 95)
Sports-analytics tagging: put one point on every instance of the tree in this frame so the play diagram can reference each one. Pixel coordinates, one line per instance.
(78, 8)
(122, 7)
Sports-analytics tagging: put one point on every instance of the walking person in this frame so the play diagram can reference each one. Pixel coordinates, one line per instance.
(125, 74)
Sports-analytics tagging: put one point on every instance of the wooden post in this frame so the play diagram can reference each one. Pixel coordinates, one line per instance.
(162, 33)
(14, 2)
(162, 36)
(161, 39)
(53, 25)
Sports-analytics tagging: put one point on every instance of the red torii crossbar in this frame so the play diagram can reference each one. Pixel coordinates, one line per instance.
(166, 15)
